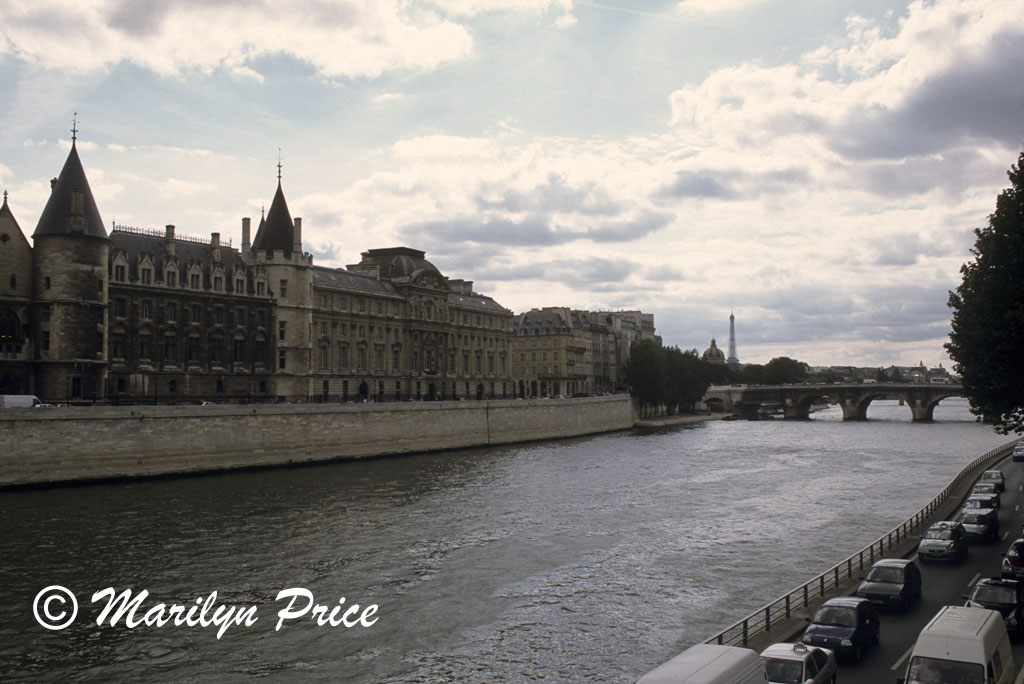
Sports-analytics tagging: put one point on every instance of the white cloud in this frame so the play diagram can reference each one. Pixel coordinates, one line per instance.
(716, 6)
(339, 39)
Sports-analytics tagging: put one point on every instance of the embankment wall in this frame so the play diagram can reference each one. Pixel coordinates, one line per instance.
(74, 444)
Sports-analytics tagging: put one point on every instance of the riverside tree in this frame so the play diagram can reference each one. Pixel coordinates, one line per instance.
(986, 342)
(666, 376)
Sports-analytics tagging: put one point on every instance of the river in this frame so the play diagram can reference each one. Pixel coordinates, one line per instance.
(583, 560)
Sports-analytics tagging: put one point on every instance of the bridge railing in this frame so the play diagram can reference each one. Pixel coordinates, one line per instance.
(762, 620)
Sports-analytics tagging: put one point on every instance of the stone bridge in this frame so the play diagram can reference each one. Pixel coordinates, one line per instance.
(795, 401)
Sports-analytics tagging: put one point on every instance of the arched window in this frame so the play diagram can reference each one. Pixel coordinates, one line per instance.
(10, 332)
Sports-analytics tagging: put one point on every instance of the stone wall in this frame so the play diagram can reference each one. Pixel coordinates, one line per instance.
(86, 443)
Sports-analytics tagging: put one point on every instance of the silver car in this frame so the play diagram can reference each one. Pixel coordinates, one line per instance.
(799, 664)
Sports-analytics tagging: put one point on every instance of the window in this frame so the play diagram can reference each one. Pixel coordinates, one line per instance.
(197, 313)
(119, 307)
(170, 348)
(323, 301)
(323, 357)
(380, 360)
(218, 283)
(46, 341)
(323, 328)
(394, 360)
(240, 317)
(362, 359)
(281, 328)
(380, 308)
(281, 359)
(342, 356)
(172, 311)
(261, 288)
(147, 276)
(144, 347)
(119, 273)
(99, 285)
(46, 282)
(238, 351)
(172, 386)
(146, 307)
(192, 349)
(193, 280)
(261, 319)
(218, 315)
(362, 306)
(284, 289)
(171, 278)
(240, 286)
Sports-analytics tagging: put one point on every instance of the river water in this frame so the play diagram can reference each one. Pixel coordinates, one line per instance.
(584, 560)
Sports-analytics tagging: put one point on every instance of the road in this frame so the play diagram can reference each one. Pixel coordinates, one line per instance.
(943, 585)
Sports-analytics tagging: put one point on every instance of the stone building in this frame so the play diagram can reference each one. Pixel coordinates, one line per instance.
(559, 351)
(150, 316)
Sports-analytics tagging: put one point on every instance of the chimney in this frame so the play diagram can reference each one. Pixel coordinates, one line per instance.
(215, 247)
(53, 184)
(169, 239)
(297, 237)
(246, 235)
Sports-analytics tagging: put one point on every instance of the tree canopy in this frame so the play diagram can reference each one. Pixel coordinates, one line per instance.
(666, 376)
(986, 342)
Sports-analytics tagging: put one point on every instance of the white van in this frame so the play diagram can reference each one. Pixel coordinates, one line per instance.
(962, 646)
(710, 664)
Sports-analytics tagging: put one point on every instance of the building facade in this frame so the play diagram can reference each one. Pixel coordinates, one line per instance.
(559, 351)
(139, 315)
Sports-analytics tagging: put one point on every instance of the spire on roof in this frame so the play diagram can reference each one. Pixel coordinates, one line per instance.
(74, 129)
(277, 229)
(71, 209)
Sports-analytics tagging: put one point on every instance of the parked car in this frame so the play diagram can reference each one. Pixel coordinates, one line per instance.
(1013, 560)
(945, 540)
(981, 524)
(1018, 452)
(1003, 595)
(847, 625)
(892, 583)
(799, 663)
(987, 488)
(995, 476)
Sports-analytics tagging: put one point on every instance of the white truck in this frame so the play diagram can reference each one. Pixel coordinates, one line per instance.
(710, 664)
(18, 400)
(962, 646)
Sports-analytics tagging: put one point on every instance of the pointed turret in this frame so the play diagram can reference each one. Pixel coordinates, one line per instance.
(71, 209)
(277, 231)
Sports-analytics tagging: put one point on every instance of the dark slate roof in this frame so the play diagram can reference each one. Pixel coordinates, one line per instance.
(548, 321)
(56, 217)
(277, 231)
(185, 250)
(398, 262)
(476, 301)
(339, 279)
(5, 213)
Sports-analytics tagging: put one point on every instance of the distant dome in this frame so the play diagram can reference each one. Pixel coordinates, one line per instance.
(399, 262)
(713, 354)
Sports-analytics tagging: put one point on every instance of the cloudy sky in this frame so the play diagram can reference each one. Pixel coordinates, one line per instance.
(816, 167)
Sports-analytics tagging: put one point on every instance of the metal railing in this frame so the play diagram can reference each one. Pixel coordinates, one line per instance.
(762, 620)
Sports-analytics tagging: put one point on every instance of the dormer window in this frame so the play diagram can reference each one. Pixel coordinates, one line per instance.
(171, 277)
(218, 283)
(120, 273)
(240, 286)
(261, 288)
(193, 280)
(146, 275)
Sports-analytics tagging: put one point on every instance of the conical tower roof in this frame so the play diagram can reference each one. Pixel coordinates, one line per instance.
(277, 231)
(71, 209)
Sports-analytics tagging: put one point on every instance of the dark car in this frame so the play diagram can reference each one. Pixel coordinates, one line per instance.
(892, 583)
(981, 524)
(981, 500)
(987, 488)
(847, 624)
(1018, 452)
(1013, 560)
(945, 540)
(995, 476)
(1006, 596)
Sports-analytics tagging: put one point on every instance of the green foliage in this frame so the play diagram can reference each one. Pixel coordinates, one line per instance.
(666, 376)
(986, 342)
(781, 370)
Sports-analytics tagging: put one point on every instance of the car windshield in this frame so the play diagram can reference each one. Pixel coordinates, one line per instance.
(943, 533)
(937, 671)
(985, 487)
(974, 519)
(987, 593)
(994, 476)
(784, 671)
(1016, 551)
(890, 575)
(837, 616)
